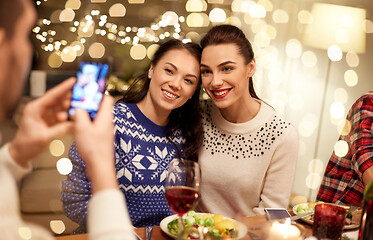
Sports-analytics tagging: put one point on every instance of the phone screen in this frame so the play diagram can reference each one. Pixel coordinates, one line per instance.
(89, 88)
(276, 213)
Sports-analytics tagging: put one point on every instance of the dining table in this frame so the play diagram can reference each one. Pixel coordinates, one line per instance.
(250, 222)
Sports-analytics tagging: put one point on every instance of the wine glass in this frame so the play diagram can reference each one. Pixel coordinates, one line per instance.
(182, 188)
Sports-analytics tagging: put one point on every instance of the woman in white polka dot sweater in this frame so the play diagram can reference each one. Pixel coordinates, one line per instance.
(249, 152)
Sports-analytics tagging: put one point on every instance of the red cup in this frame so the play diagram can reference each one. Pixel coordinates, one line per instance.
(328, 221)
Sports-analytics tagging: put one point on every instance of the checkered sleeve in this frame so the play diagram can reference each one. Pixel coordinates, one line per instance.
(361, 137)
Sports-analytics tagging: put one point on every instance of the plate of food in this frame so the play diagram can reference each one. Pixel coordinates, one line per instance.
(352, 217)
(213, 226)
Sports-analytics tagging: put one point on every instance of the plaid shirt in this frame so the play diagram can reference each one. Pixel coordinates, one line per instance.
(342, 182)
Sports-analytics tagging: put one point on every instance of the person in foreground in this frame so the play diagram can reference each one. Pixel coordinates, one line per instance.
(346, 177)
(157, 120)
(43, 120)
(249, 152)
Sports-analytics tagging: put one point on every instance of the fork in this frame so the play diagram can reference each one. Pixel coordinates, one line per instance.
(148, 233)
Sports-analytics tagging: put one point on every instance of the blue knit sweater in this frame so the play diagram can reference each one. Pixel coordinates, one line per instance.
(142, 155)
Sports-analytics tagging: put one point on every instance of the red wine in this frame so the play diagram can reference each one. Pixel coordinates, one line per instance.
(366, 223)
(181, 199)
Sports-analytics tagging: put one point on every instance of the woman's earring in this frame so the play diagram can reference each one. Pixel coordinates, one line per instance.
(150, 76)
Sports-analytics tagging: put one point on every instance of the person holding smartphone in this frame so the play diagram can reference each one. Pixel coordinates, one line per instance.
(157, 120)
(43, 120)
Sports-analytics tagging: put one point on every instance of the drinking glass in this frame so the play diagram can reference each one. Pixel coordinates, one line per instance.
(182, 188)
(328, 221)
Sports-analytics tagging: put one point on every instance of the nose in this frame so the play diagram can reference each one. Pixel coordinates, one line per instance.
(175, 84)
(217, 81)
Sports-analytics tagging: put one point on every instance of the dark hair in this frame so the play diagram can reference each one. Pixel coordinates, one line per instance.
(187, 118)
(223, 34)
(10, 11)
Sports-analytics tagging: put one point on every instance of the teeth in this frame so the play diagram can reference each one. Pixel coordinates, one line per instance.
(220, 93)
(169, 94)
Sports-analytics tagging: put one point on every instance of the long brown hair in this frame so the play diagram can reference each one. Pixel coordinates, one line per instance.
(186, 118)
(224, 34)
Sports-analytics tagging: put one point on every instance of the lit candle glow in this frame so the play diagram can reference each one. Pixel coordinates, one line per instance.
(283, 231)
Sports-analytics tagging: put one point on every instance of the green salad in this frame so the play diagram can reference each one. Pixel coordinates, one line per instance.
(213, 227)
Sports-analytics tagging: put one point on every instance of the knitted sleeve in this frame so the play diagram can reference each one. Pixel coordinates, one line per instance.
(76, 191)
(280, 174)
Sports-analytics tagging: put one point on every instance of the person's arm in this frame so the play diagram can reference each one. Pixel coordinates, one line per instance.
(43, 120)
(278, 183)
(107, 212)
(368, 176)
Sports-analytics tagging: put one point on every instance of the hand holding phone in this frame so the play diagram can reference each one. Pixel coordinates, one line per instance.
(89, 88)
(276, 213)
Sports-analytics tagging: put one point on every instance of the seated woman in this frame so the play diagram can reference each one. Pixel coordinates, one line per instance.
(157, 120)
(249, 152)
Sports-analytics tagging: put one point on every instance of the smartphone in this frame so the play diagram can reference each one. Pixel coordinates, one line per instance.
(276, 213)
(89, 88)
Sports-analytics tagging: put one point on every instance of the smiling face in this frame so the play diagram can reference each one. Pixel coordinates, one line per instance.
(225, 75)
(173, 81)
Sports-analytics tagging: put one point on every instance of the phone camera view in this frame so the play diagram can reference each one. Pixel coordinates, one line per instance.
(89, 88)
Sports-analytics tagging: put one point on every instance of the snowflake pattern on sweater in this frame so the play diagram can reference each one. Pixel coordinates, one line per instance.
(142, 155)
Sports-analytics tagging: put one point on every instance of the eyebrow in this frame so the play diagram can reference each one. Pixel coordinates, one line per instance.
(188, 75)
(221, 64)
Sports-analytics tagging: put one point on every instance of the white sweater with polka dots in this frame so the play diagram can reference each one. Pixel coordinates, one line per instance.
(246, 167)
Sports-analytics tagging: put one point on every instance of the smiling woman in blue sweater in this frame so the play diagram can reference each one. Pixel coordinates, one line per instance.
(157, 120)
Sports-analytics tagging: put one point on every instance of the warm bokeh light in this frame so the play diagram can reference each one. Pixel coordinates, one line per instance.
(73, 4)
(368, 26)
(196, 6)
(309, 59)
(341, 148)
(335, 53)
(67, 15)
(352, 59)
(241, 5)
(64, 166)
(305, 17)
(56, 148)
(235, 21)
(78, 48)
(98, 1)
(313, 181)
(344, 127)
(267, 4)
(96, 50)
(257, 11)
(170, 18)
(138, 52)
(340, 95)
(151, 50)
(117, 10)
(217, 15)
(280, 16)
(57, 226)
(337, 110)
(68, 54)
(262, 39)
(194, 36)
(351, 78)
(54, 60)
(24, 233)
(136, 1)
(258, 25)
(294, 48)
(316, 166)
